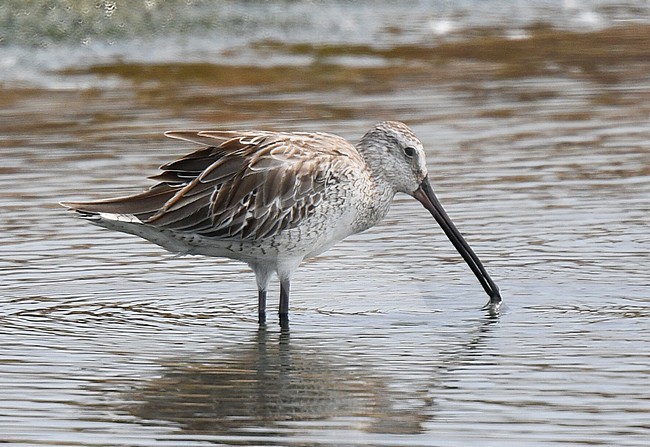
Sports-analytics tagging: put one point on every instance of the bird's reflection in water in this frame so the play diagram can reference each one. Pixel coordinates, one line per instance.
(271, 383)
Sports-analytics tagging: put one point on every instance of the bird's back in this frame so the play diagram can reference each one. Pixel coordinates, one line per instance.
(248, 188)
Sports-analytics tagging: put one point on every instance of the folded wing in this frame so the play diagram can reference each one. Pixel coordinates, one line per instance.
(241, 186)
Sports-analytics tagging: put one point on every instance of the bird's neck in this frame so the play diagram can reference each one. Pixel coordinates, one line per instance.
(373, 160)
(380, 193)
(374, 207)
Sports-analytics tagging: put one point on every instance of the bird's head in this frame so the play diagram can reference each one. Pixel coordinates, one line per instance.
(396, 156)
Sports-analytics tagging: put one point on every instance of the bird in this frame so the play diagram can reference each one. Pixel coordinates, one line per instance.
(273, 199)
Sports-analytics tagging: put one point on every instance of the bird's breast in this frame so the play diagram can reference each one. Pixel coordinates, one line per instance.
(372, 206)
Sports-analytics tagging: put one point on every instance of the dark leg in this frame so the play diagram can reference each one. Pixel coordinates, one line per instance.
(261, 306)
(262, 276)
(285, 286)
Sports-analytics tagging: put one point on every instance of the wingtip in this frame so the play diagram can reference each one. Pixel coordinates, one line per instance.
(181, 134)
(202, 137)
(77, 208)
(73, 206)
(68, 205)
(82, 209)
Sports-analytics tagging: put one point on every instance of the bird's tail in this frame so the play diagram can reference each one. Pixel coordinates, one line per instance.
(129, 215)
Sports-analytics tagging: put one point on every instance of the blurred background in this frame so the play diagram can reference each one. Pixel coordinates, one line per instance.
(272, 63)
(535, 118)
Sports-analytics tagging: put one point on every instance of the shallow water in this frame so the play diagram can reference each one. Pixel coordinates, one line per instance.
(108, 340)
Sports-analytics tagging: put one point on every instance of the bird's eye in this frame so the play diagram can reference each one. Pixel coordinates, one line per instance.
(409, 151)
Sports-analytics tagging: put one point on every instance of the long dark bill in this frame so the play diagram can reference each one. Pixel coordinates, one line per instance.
(426, 197)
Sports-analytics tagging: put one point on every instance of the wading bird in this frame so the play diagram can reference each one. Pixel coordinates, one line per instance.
(273, 199)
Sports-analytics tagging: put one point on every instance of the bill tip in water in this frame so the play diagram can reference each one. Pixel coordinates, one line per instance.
(495, 303)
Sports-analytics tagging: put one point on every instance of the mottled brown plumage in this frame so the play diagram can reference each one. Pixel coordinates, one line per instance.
(250, 185)
(272, 199)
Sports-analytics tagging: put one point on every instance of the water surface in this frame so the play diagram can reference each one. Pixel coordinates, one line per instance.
(539, 152)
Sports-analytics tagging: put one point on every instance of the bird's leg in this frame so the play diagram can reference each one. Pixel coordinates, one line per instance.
(261, 306)
(285, 286)
(263, 277)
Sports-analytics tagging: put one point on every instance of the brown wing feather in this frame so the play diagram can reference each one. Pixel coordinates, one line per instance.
(260, 183)
(143, 205)
(249, 185)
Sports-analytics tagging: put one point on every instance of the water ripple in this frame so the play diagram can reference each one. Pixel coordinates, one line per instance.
(107, 340)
